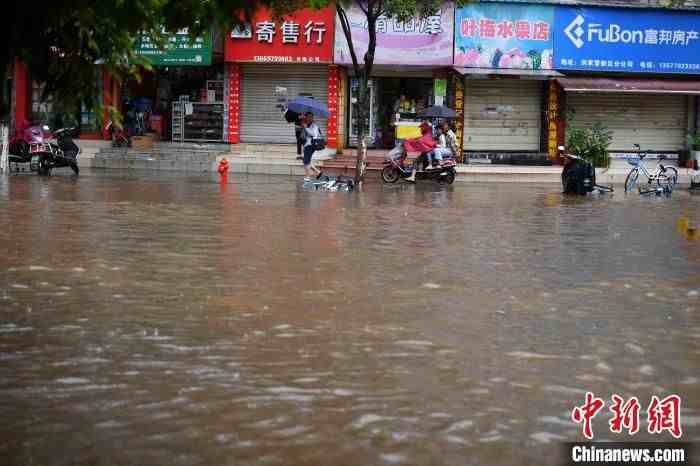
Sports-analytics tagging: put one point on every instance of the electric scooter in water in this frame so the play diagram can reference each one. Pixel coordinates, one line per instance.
(118, 136)
(578, 175)
(65, 151)
(396, 168)
(27, 141)
(32, 146)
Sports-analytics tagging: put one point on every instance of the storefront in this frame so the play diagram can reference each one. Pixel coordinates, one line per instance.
(272, 61)
(642, 87)
(182, 99)
(505, 53)
(30, 105)
(410, 73)
(650, 112)
(395, 104)
(7, 97)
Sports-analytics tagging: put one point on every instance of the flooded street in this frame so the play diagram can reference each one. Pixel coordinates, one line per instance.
(169, 320)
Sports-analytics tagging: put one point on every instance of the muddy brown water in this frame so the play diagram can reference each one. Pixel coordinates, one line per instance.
(168, 319)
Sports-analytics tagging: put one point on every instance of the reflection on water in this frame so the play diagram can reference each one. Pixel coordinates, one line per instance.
(163, 319)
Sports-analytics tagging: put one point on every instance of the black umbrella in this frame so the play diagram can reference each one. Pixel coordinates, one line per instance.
(438, 111)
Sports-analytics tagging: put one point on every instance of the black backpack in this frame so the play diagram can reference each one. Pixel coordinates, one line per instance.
(291, 117)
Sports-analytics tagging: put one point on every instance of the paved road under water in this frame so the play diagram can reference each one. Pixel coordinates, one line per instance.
(166, 319)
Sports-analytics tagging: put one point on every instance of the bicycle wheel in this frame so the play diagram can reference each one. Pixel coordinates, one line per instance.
(631, 179)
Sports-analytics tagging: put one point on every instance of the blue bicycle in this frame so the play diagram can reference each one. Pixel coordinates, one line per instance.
(663, 177)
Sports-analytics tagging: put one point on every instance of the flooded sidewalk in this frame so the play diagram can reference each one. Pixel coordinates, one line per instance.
(165, 318)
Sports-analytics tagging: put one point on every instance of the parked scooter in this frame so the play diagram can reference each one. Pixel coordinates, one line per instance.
(65, 152)
(395, 168)
(27, 141)
(118, 136)
(578, 175)
(33, 146)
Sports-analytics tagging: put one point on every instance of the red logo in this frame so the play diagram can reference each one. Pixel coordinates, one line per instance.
(662, 415)
(585, 414)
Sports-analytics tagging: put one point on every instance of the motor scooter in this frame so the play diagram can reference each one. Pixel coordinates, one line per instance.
(118, 136)
(578, 175)
(33, 146)
(27, 141)
(396, 168)
(64, 152)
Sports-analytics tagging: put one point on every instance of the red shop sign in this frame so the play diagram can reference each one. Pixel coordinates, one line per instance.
(305, 36)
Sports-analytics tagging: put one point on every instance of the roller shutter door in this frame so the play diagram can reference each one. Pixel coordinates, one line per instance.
(261, 119)
(502, 115)
(655, 122)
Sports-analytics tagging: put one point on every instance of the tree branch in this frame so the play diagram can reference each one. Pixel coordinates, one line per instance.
(347, 31)
(362, 7)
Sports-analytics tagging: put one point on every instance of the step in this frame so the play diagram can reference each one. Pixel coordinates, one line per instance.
(267, 168)
(291, 152)
(271, 157)
(263, 147)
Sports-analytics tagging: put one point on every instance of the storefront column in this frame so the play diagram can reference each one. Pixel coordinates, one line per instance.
(22, 93)
(459, 121)
(234, 103)
(556, 132)
(333, 83)
(107, 98)
(341, 121)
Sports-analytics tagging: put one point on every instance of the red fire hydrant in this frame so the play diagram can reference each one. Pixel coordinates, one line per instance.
(223, 167)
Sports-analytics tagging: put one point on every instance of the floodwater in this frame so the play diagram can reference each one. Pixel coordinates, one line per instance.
(169, 319)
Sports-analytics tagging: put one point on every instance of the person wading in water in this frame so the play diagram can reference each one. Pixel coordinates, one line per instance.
(311, 132)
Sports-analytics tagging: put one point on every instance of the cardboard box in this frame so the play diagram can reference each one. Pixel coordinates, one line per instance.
(142, 142)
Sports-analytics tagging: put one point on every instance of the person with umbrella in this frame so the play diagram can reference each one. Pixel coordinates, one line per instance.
(446, 141)
(296, 118)
(311, 132)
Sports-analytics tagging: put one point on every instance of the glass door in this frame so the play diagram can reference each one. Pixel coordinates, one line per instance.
(354, 124)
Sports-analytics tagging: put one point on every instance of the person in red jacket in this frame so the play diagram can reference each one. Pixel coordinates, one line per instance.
(423, 144)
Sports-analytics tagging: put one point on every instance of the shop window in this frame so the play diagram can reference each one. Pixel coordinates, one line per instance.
(42, 107)
(6, 105)
(45, 110)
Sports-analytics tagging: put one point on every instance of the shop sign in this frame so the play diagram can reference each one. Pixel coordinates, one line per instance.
(552, 120)
(418, 41)
(234, 103)
(440, 91)
(305, 36)
(511, 36)
(629, 40)
(180, 49)
(459, 108)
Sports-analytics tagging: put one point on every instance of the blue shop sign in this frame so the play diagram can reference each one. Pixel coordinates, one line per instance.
(627, 40)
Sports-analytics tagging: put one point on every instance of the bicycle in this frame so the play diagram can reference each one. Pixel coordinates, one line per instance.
(664, 176)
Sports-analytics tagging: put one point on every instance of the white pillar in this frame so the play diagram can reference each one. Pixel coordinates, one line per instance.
(4, 159)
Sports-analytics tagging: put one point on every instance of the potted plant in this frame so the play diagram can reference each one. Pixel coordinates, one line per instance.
(591, 143)
(694, 144)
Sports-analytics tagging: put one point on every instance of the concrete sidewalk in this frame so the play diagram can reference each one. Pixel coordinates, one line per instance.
(525, 174)
(281, 160)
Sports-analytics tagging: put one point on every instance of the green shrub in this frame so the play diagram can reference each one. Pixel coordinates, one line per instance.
(694, 141)
(590, 143)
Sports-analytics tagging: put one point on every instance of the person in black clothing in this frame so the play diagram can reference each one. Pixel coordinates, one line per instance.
(300, 134)
(297, 119)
